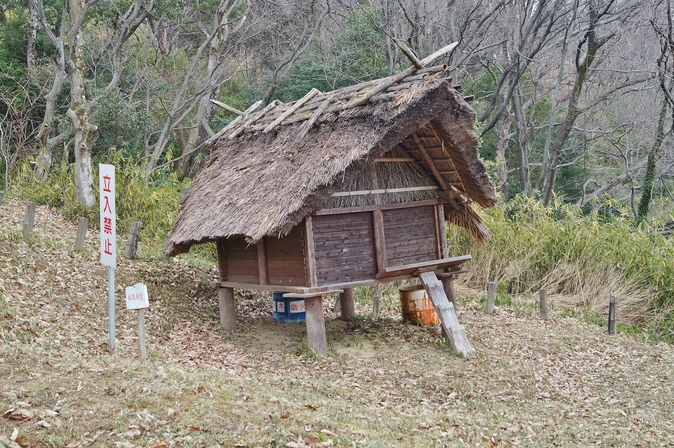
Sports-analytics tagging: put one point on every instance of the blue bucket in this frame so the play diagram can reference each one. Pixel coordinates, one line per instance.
(288, 310)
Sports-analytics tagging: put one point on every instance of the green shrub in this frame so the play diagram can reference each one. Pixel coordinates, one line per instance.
(581, 258)
(154, 202)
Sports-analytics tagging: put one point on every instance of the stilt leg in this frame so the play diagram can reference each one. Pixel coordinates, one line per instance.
(227, 309)
(448, 285)
(347, 304)
(316, 325)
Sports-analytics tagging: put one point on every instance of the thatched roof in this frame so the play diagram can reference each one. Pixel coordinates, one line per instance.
(270, 170)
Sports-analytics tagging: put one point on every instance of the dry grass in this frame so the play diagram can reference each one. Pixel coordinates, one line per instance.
(562, 382)
(584, 259)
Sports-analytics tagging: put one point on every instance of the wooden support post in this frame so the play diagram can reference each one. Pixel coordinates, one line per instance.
(448, 286)
(227, 309)
(611, 315)
(142, 351)
(29, 220)
(491, 295)
(347, 305)
(2, 196)
(375, 305)
(543, 294)
(262, 262)
(316, 339)
(312, 271)
(442, 230)
(132, 242)
(379, 240)
(81, 233)
(222, 260)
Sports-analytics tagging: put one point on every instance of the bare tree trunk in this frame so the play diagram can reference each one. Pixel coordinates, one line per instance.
(608, 186)
(215, 75)
(45, 141)
(503, 137)
(387, 15)
(523, 143)
(218, 38)
(653, 157)
(535, 31)
(555, 97)
(585, 54)
(84, 177)
(32, 34)
(312, 26)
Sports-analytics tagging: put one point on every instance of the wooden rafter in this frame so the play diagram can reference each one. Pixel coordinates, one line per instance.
(394, 159)
(429, 161)
(227, 107)
(299, 103)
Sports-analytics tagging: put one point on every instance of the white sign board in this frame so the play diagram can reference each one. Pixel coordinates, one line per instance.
(136, 297)
(106, 184)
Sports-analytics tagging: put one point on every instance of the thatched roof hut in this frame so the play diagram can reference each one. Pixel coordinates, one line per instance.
(271, 168)
(342, 189)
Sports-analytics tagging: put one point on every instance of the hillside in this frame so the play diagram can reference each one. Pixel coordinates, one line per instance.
(562, 382)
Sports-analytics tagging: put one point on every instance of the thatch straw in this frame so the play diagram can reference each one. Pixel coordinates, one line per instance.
(261, 184)
(386, 176)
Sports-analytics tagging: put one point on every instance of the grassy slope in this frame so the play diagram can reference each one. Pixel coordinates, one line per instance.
(385, 383)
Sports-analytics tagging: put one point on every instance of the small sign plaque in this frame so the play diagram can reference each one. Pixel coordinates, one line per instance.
(136, 297)
(107, 214)
(297, 306)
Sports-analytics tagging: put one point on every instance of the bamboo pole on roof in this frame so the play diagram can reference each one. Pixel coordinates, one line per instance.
(408, 52)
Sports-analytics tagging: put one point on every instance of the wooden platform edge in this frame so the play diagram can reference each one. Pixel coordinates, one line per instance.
(451, 273)
(319, 290)
(294, 295)
(415, 269)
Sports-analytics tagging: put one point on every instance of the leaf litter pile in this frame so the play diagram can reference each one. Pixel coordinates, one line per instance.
(561, 382)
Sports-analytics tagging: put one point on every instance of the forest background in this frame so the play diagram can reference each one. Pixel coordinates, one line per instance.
(574, 102)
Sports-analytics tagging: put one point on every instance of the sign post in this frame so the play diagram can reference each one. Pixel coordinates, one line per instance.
(108, 224)
(137, 299)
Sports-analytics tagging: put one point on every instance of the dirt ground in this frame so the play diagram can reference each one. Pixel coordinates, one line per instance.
(385, 383)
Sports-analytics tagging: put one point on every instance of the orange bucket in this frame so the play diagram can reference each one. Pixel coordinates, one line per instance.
(417, 307)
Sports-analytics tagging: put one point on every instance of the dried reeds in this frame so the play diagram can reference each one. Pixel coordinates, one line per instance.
(385, 175)
(580, 261)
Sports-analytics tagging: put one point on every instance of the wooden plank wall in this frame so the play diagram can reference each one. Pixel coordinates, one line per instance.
(242, 263)
(285, 259)
(344, 247)
(411, 235)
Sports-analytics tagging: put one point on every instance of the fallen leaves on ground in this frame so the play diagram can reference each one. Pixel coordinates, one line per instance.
(385, 382)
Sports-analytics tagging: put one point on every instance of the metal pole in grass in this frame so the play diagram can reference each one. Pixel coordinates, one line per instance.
(142, 350)
(611, 315)
(111, 309)
(491, 295)
(543, 294)
(108, 225)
